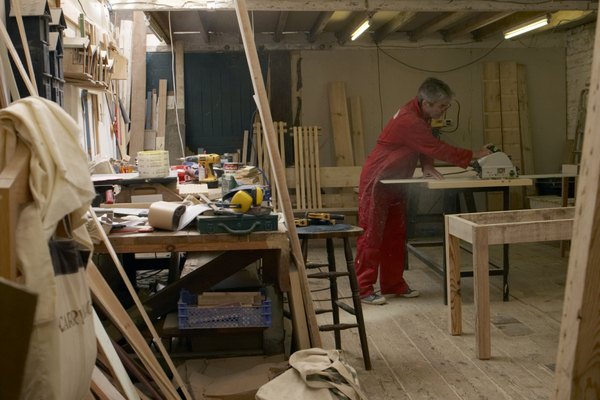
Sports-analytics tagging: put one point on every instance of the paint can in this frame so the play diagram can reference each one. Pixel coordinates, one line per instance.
(230, 167)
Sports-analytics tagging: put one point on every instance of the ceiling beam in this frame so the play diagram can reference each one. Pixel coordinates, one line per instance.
(436, 24)
(356, 20)
(203, 32)
(393, 25)
(354, 5)
(496, 29)
(475, 23)
(319, 25)
(159, 26)
(281, 21)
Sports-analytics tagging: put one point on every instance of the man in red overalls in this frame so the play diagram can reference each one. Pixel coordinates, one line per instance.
(406, 139)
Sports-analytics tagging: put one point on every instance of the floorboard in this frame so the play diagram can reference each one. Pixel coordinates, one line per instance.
(414, 356)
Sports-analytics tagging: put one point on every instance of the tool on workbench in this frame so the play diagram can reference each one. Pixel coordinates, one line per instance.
(497, 165)
(244, 198)
(216, 210)
(207, 162)
(318, 218)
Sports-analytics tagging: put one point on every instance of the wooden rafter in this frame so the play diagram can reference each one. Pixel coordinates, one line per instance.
(356, 6)
(202, 29)
(355, 21)
(159, 26)
(319, 25)
(436, 24)
(497, 28)
(281, 21)
(473, 24)
(393, 25)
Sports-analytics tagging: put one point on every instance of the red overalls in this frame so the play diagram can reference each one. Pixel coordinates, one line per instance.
(406, 139)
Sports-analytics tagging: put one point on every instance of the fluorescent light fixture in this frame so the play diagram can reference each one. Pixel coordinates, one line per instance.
(361, 29)
(529, 26)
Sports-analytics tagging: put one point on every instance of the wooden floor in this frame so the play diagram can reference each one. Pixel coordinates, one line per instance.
(414, 356)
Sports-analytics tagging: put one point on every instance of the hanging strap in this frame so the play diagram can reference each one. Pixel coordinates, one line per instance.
(321, 364)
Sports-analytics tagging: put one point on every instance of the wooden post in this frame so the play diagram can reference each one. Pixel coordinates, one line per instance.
(453, 281)
(138, 84)
(577, 366)
(260, 96)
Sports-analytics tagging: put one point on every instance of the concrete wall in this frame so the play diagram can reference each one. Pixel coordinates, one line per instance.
(374, 78)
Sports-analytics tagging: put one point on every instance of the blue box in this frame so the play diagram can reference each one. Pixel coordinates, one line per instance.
(193, 317)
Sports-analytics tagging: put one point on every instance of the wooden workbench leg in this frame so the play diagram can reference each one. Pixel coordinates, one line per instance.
(481, 283)
(453, 282)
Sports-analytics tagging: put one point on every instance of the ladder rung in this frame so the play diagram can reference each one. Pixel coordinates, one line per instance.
(345, 307)
(327, 275)
(337, 327)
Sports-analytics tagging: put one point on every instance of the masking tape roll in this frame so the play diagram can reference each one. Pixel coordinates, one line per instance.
(165, 214)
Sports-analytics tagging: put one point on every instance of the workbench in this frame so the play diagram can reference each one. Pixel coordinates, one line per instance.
(466, 183)
(225, 255)
(482, 230)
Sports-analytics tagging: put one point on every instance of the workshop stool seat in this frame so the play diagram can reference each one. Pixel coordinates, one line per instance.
(344, 232)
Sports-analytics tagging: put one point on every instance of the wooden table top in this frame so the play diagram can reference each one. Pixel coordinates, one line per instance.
(191, 240)
(472, 182)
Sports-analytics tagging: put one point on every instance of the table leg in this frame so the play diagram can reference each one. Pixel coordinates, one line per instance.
(481, 282)
(453, 281)
(505, 256)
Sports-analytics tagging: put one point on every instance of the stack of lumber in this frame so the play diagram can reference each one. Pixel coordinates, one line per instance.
(506, 120)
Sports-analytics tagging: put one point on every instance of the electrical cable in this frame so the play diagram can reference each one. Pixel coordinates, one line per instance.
(175, 86)
(457, 120)
(442, 70)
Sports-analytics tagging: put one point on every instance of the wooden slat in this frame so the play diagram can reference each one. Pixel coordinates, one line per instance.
(161, 108)
(317, 167)
(453, 281)
(105, 297)
(301, 167)
(511, 133)
(16, 6)
(138, 84)
(180, 74)
(103, 388)
(115, 364)
(244, 159)
(278, 167)
(296, 172)
(307, 166)
(14, 191)
(340, 124)
(577, 366)
(301, 337)
(492, 119)
(481, 283)
(131, 290)
(358, 134)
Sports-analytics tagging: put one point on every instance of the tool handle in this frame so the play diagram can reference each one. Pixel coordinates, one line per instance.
(241, 231)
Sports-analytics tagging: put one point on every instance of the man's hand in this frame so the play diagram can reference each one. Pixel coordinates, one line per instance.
(430, 172)
(484, 151)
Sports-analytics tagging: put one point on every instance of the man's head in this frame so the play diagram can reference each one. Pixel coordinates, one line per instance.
(434, 96)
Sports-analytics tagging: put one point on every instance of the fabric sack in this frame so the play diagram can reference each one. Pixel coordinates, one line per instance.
(315, 374)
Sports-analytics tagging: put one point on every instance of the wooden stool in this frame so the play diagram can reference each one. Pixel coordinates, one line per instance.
(345, 232)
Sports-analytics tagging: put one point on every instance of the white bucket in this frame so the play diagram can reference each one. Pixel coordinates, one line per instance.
(153, 164)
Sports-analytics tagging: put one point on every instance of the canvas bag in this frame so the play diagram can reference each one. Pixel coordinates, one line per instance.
(316, 374)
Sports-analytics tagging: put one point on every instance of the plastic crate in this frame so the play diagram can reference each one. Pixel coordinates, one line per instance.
(193, 317)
